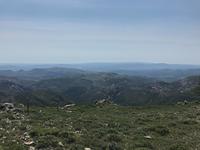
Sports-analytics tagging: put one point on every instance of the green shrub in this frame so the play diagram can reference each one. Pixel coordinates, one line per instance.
(114, 146)
(68, 137)
(161, 130)
(40, 131)
(114, 138)
(47, 141)
(177, 147)
(189, 122)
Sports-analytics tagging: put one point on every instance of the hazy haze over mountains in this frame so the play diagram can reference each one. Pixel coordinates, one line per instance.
(102, 66)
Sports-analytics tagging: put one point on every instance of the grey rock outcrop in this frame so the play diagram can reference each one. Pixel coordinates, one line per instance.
(7, 107)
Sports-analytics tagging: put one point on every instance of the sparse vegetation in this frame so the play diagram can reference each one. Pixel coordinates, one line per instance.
(110, 127)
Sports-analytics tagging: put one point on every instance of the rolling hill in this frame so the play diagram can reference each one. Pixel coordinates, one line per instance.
(56, 86)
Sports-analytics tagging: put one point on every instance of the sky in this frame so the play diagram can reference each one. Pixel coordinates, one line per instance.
(79, 31)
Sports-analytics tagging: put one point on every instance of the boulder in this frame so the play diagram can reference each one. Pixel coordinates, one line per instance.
(7, 107)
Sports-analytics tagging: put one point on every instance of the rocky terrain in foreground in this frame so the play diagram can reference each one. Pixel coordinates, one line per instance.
(102, 126)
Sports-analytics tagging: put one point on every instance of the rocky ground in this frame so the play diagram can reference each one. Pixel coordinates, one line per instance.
(106, 127)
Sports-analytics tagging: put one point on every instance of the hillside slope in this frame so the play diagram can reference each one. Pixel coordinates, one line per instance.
(88, 88)
(125, 90)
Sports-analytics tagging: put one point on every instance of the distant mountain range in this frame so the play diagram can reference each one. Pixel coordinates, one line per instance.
(102, 67)
(59, 86)
(164, 72)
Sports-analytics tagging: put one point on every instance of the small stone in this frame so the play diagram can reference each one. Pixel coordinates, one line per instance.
(87, 149)
(103, 102)
(8, 121)
(60, 144)
(29, 142)
(21, 105)
(31, 148)
(148, 137)
(69, 106)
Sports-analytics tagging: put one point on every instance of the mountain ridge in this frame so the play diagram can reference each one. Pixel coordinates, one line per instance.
(86, 87)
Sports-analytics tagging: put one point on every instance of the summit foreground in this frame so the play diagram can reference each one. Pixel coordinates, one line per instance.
(106, 127)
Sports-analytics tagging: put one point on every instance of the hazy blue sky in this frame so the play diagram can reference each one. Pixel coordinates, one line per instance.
(66, 31)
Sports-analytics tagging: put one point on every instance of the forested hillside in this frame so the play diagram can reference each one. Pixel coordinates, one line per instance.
(61, 86)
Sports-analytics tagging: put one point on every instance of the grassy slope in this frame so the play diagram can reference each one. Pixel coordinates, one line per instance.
(108, 127)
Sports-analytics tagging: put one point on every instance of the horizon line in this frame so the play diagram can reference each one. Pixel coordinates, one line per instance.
(99, 62)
